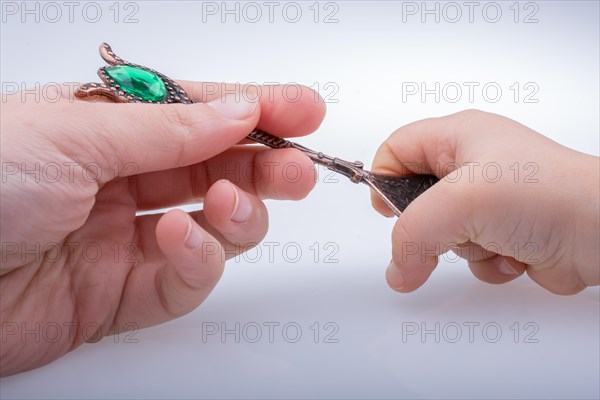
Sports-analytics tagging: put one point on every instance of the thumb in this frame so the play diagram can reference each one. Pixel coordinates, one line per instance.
(128, 139)
(437, 221)
(439, 218)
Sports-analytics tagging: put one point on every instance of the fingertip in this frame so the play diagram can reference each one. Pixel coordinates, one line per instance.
(236, 214)
(415, 254)
(299, 183)
(179, 236)
(380, 206)
(287, 174)
(420, 147)
(384, 161)
(497, 269)
(219, 202)
(395, 278)
(237, 107)
(311, 109)
(320, 109)
(172, 229)
(291, 110)
(242, 206)
(195, 258)
(558, 279)
(405, 278)
(510, 267)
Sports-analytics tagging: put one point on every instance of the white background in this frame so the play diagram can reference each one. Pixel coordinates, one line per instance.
(366, 57)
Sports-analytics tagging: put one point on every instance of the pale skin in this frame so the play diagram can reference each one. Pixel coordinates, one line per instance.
(173, 147)
(510, 201)
(149, 269)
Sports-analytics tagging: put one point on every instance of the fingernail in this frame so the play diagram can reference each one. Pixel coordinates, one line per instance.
(193, 237)
(394, 276)
(234, 106)
(242, 207)
(505, 268)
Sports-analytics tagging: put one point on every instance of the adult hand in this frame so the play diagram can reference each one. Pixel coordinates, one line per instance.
(78, 263)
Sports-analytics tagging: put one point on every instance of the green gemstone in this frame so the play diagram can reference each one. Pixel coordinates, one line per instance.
(138, 82)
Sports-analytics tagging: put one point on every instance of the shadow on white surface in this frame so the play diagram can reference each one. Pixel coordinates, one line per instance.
(377, 353)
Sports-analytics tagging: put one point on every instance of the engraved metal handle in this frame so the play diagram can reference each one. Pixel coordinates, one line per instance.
(397, 192)
(400, 191)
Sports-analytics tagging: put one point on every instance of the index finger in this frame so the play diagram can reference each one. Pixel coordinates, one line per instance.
(287, 110)
(428, 146)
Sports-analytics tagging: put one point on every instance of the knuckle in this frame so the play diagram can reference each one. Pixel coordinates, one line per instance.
(178, 118)
(180, 127)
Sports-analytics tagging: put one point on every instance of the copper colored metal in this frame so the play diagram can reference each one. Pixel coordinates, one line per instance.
(397, 192)
(111, 90)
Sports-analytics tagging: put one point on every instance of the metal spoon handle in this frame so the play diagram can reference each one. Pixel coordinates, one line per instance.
(397, 192)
